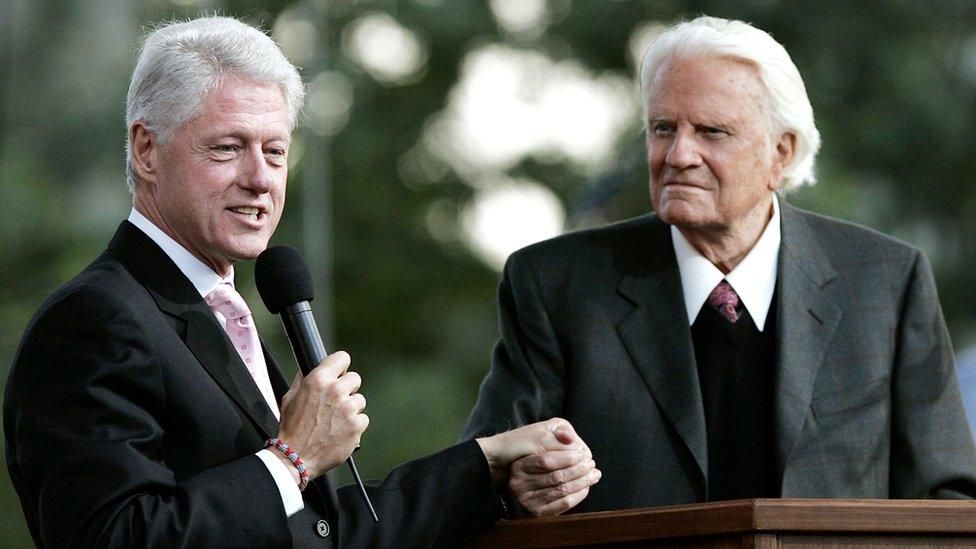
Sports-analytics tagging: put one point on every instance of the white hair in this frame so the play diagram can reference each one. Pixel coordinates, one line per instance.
(181, 63)
(789, 106)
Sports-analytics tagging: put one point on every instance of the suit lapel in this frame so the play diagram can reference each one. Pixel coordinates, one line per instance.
(807, 319)
(656, 335)
(278, 382)
(176, 296)
(209, 344)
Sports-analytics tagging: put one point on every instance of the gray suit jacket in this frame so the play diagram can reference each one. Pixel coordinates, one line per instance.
(866, 399)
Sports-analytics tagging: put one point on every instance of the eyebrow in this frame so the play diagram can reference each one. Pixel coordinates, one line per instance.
(241, 136)
(722, 125)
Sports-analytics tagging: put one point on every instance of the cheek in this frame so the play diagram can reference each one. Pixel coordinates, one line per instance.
(736, 166)
(655, 160)
(279, 190)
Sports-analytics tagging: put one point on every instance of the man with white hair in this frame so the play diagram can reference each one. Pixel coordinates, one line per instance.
(143, 410)
(730, 345)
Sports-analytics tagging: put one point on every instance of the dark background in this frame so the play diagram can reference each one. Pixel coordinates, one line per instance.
(382, 194)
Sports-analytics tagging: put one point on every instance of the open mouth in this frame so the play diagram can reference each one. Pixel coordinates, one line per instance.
(251, 212)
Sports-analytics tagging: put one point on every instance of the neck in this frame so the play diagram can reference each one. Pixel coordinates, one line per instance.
(149, 211)
(726, 246)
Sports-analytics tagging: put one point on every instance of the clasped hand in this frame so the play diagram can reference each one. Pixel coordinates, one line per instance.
(545, 467)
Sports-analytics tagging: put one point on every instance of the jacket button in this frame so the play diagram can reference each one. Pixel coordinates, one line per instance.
(322, 528)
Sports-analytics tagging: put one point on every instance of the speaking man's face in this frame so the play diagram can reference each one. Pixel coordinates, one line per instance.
(218, 185)
(712, 163)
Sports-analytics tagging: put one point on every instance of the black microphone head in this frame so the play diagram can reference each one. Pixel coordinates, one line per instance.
(282, 277)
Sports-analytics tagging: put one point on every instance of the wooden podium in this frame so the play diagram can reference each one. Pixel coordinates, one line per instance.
(753, 523)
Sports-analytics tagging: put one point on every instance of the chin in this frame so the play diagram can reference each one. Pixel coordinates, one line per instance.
(681, 215)
(248, 250)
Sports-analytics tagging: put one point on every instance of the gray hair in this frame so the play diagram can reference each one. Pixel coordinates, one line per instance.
(182, 63)
(789, 106)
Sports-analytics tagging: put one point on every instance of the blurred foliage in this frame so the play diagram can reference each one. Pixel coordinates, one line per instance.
(892, 84)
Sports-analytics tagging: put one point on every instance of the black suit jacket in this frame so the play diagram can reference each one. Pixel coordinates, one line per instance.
(130, 420)
(866, 402)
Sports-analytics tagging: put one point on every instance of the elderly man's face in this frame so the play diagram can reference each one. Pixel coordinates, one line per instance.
(712, 163)
(218, 186)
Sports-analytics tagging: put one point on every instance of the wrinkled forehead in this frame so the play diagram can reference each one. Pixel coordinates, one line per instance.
(703, 74)
(237, 103)
(713, 87)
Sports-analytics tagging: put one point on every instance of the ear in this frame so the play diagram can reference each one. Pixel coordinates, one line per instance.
(143, 151)
(783, 154)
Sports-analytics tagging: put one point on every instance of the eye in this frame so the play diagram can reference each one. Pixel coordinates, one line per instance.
(276, 155)
(662, 129)
(225, 150)
(710, 132)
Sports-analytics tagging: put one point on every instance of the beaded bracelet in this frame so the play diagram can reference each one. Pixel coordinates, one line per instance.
(292, 456)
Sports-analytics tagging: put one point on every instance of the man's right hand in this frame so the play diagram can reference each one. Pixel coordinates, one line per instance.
(321, 415)
(545, 467)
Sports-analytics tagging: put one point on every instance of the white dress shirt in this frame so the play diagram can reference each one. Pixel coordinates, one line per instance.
(754, 278)
(204, 279)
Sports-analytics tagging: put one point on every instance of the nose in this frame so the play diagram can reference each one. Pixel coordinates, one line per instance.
(258, 176)
(683, 152)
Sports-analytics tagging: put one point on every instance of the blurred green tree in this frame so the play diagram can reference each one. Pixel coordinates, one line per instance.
(892, 84)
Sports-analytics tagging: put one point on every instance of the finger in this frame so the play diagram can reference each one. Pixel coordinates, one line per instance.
(362, 422)
(333, 365)
(348, 383)
(561, 505)
(566, 434)
(571, 487)
(549, 461)
(563, 435)
(538, 499)
(358, 402)
(567, 437)
(520, 481)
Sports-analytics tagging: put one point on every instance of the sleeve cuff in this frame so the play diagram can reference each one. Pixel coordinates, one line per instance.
(291, 496)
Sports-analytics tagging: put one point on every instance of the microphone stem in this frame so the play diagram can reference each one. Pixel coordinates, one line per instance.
(362, 487)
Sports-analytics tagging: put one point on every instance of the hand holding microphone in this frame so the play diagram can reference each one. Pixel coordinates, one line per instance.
(321, 415)
(323, 410)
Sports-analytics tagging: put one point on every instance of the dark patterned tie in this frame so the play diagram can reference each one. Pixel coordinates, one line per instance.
(724, 299)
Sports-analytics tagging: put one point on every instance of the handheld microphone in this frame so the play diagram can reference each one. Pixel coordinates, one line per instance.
(285, 284)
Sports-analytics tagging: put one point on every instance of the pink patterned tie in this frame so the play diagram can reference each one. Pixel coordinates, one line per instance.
(240, 328)
(724, 299)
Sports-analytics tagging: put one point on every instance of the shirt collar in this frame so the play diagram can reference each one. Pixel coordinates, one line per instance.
(754, 278)
(203, 278)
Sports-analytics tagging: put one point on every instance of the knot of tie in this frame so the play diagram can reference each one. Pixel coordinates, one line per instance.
(724, 299)
(225, 300)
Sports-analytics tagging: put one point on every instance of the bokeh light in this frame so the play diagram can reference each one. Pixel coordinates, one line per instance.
(510, 214)
(527, 18)
(511, 103)
(640, 39)
(297, 36)
(388, 51)
(328, 103)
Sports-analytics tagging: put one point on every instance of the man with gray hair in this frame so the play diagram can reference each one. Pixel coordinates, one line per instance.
(730, 345)
(142, 408)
